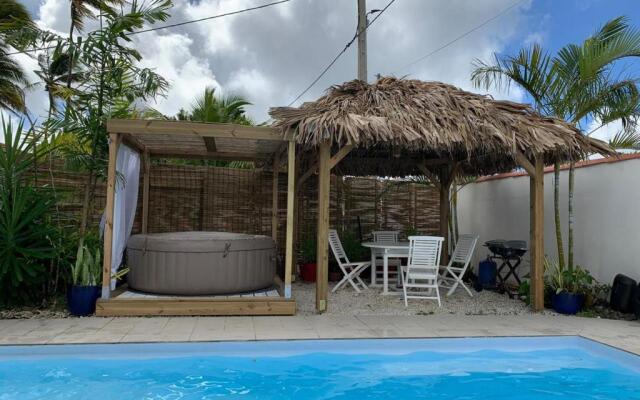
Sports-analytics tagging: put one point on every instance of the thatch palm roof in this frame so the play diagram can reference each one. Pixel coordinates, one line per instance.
(401, 119)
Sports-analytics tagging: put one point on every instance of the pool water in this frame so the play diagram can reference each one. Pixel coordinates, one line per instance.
(486, 368)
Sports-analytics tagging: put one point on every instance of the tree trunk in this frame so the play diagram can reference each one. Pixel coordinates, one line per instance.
(556, 209)
(572, 175)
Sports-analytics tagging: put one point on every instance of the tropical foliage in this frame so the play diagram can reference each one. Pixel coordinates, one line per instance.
(581, 83)
(26, 234)
(13, 18)
(576, 280)
(87, 270)
(212, 108)
(112, 85)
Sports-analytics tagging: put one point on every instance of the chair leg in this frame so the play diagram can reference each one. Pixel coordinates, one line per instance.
(467, 289)
(438, 296)
(339, 284)
(350, 279)
(453, 287)
(404, 287)
(360, 281)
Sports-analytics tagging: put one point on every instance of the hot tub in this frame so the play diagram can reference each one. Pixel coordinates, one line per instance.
(200, 263)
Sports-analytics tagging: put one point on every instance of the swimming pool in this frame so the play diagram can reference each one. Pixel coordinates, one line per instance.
(479, 368)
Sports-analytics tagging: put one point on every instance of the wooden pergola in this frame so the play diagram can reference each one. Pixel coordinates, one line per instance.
(182, 139)
(400, 128)
(393, 128)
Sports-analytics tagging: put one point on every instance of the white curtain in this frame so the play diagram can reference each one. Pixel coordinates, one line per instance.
(126, 201)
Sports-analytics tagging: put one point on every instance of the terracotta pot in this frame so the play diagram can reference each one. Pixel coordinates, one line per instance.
(308, 272)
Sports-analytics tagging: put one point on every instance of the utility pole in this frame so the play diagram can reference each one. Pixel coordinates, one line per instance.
(362, 40)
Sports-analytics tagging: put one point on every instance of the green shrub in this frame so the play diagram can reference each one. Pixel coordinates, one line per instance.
(26, 234)
(570, 280)
(87, 270)
(308, 250)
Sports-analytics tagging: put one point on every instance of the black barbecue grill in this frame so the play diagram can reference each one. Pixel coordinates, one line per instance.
(510, 253)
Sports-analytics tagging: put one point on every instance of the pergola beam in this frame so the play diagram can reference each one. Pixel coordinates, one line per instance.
(219, 130)
(335, 159)
(525, 163)
(200, 155)
(342, 153)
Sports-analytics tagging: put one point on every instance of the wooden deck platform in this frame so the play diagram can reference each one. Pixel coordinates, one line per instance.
(130, 304)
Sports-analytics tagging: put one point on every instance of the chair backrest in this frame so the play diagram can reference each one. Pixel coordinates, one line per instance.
(424, 253)
(464, 249)
(385, 236)
(336, 247)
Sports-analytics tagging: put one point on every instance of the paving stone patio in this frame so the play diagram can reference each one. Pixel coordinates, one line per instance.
(622, 334)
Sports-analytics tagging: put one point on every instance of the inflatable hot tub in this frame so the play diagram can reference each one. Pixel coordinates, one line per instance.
(200, 263)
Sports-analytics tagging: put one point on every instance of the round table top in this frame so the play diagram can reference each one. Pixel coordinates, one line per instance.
(387, 245)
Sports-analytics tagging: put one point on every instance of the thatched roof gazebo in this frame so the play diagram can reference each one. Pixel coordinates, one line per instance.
(399, 127)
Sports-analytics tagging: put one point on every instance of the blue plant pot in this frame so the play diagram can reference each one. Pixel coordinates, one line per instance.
(82, 299)
(567, 303)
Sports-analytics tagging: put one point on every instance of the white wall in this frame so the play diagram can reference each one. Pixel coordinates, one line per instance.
(607, 216)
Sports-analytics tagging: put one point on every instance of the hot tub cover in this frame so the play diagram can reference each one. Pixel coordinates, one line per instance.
(200, 263)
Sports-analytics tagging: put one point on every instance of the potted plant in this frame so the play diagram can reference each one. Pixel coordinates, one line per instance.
(569, 286)
(86, 275)
(308, 266)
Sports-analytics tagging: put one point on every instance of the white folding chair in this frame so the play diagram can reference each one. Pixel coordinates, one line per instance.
(350, 270)
(451, 274)
(387, 237)
(421, 271)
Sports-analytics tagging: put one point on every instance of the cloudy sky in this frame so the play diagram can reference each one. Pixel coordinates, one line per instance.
(270, 55)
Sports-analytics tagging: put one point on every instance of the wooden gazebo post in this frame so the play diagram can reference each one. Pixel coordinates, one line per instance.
(274, 198)
(114, 142)
(326, 162)
(291, 204)
(322, 260)
(536, 240)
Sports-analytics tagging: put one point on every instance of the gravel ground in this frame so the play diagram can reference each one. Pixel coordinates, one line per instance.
(33, 313)
(371, 302)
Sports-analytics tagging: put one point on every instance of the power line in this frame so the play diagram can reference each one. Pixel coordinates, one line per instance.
(173, 25)
(467, 33)
(335, 59)
(211, 17)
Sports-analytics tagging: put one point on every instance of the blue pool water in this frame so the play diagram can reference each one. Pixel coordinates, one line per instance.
(487, 368)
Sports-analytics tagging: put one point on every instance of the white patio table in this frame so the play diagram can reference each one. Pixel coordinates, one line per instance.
(388, 250)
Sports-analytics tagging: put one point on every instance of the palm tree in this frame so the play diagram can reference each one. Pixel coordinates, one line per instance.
(578, 84)
(81, 10)
(212, 108)
(13, 17)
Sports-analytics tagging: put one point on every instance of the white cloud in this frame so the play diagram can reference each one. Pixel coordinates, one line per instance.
(270, 55)
(169, 56)
(604, 132)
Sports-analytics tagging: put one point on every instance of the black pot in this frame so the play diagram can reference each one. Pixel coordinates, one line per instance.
(82, 299)
(567, 303)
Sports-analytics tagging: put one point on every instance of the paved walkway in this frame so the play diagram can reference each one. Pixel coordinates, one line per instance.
(621, 334)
